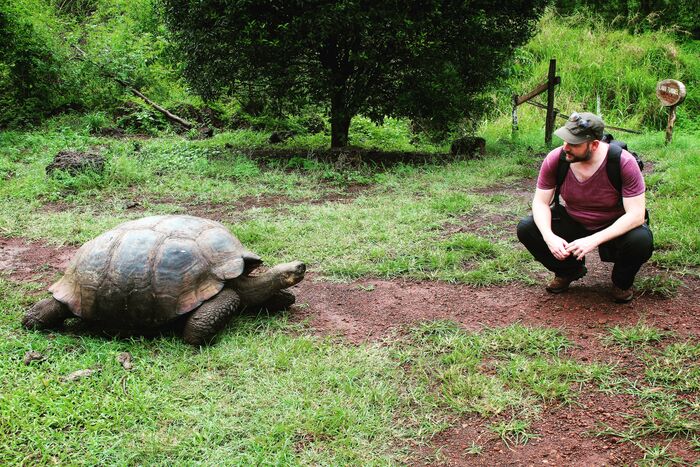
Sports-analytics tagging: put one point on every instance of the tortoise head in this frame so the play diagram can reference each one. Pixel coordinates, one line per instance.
(259, 288)
(289, 274)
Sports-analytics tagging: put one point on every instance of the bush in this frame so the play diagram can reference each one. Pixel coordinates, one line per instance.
(33, 65)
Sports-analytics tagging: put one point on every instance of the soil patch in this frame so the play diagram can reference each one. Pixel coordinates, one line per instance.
(26, 261)
(232, 212)
(373, 309)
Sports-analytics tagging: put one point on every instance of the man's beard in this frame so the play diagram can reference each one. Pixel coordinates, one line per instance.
(570, 158)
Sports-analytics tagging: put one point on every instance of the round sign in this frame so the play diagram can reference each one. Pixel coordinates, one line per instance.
(670, 92)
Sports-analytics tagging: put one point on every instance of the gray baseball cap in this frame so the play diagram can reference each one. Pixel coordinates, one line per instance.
(581, 128)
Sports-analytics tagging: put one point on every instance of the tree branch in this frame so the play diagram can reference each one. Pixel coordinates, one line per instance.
(169, 115)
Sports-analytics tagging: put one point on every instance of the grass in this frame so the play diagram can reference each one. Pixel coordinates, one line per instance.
(635, 336)
(260, 395)
(270, 392)
(265, 393)
(513, 432)
(510, 371)
(666, 392)
(595, 60)
(395, 228)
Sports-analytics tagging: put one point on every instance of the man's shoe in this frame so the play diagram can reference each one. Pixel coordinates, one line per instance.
(561, 283)
(622, 295)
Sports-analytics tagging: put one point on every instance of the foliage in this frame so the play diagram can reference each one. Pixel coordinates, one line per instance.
(428, 62)
(682, 16)
(42, 72)
(33, 65)
(597, 62)
(126, 40)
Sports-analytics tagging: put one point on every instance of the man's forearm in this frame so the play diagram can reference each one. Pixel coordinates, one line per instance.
(621, 226)
(542, 215)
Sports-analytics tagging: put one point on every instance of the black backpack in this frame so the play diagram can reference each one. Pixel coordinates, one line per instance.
(612, 167)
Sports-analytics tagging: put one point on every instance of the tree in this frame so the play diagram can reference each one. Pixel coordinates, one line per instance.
(426, 60)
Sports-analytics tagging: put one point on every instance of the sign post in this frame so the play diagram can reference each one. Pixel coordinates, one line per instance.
(671, 93)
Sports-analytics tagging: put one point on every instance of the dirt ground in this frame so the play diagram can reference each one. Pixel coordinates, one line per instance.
(373, 310)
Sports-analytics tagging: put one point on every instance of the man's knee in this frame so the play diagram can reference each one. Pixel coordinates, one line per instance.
(639, 243)
(527, 228)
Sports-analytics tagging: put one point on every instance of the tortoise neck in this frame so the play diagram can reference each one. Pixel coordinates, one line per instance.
(254, 290)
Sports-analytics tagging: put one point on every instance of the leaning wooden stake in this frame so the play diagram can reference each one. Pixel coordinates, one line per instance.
(169, 115)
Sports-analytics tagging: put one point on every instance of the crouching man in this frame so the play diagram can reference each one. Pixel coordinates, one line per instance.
(594, 213)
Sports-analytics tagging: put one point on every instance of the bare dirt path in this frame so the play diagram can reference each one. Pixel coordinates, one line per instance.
(372, 310)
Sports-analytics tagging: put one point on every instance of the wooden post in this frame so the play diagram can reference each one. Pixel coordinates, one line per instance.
(515, 113)
(549, 122)
(671, 121)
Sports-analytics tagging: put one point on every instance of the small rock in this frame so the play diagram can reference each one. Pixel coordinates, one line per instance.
(78, 375)
(132, 204)
(31, 356)
(125, 359)
(74, 162)
(469, 146)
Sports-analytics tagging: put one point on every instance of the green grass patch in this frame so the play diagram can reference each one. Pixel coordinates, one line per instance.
(264, 393)
(667, 394)
(511, 370)
(513, 432)
(267, 391)
(396, 227)
(635, 336)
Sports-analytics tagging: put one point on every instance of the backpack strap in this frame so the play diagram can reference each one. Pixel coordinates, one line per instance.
(612, 167)
(562, 169)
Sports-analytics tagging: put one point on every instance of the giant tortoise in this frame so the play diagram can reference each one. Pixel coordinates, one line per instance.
(148, 272)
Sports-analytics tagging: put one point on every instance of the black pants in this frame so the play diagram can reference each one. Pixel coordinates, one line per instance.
(628, 251)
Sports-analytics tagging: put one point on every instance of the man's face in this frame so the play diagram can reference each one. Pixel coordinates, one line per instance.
(578, 152)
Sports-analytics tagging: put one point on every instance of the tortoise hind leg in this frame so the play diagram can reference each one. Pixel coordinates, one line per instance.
(211, 317)
(48, 313)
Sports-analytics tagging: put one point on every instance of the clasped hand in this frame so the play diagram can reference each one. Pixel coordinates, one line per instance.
(561, 249)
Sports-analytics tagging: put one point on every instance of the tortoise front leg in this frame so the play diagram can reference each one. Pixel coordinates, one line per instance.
(278, 301)
(211, 317)
(48, 313)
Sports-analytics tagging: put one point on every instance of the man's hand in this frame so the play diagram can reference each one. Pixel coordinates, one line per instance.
(558, 246)
(582, 246)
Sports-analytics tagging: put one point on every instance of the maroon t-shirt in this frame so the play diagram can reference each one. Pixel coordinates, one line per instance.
(593, 203)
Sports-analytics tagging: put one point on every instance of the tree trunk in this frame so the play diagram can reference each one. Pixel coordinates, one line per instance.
(340, 121)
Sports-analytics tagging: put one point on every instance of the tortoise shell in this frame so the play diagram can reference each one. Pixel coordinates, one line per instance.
(149, 271)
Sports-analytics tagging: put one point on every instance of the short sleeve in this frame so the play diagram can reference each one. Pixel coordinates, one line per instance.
(632, 178)
(547, 179)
